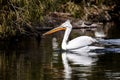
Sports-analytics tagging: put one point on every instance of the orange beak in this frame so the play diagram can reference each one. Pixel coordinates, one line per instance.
(54, 30)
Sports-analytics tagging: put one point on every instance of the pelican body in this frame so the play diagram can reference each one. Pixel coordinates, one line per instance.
(75, 43)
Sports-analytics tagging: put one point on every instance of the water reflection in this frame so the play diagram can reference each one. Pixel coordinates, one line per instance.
(99, 33)
(24, 61)
(74, 62)
(67, 68)
(54, 43)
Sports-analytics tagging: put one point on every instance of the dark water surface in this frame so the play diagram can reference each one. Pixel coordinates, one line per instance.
(44, 60)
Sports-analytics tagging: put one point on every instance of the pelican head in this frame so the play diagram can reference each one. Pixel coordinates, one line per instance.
(63, 26)
(66, 24)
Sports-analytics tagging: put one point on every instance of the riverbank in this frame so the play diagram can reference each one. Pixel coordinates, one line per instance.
(30, 18)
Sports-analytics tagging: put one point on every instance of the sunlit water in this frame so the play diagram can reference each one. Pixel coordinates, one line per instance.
(44, 60)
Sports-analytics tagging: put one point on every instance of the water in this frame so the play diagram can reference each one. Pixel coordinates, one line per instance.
(44, 60)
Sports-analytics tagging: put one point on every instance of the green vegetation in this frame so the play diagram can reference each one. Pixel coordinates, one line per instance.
(16, 16)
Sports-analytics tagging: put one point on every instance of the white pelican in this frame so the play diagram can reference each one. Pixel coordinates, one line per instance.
(76, 43)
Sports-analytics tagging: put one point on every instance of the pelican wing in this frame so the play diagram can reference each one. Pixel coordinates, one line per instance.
(80, 42)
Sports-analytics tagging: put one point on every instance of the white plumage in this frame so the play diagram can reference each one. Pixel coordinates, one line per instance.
(76, 43)
(80, 42)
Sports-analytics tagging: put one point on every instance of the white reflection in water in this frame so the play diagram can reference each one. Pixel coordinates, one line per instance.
(67, 68)
(79, 59)
(113, 75)
(99, 32)
(54, 43)
(84, 62)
